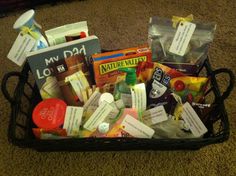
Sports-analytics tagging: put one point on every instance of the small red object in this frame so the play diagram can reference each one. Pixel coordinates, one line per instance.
(50, 113)
(82, 35)
(190, 98)
(179, 85)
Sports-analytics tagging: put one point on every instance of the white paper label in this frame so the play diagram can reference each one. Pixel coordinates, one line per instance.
(98, 116)
(139, 99)
(22, 44)
(93, 100)
(73, 119)
(136, 128)
(193, 121)
(182, 37)
(126, 99)
(77, 87)
(155, 115)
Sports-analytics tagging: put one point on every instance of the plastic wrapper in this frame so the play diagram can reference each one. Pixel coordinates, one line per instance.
(49, 134)
(189, 88)
(157, 78)
(171, 129)
(160, 36)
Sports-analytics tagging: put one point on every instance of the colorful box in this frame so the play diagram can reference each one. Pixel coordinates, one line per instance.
(106, 65)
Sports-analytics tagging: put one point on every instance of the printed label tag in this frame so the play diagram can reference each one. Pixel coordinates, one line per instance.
(136, 128)
(22, 44)
(155, 115)
(98, 116)
(139, 99)
(193, 121)
(182, 37)
(93, 100)
(77, 87)
(73, 119)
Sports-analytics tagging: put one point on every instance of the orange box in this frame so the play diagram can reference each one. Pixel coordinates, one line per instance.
(105, 65)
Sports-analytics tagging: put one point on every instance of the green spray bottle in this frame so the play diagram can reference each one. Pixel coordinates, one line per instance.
(122, 89)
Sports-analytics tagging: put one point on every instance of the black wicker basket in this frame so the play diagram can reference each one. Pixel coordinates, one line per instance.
(26, 96)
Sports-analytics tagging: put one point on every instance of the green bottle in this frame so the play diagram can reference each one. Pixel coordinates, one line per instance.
(122, 89)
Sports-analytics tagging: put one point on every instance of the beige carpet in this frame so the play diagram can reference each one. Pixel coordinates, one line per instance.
(121, 24)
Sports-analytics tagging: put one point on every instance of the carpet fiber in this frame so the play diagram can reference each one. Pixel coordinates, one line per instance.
(122, 24)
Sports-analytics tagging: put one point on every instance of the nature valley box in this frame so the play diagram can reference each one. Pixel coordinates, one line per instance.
(105, 65)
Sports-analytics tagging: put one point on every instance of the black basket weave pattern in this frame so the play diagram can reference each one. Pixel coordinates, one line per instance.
(26, 96)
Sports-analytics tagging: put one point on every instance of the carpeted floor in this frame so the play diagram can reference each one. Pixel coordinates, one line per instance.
(121, 24)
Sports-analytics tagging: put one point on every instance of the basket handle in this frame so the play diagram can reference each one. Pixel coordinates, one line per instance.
(231, 82)
(4, 85)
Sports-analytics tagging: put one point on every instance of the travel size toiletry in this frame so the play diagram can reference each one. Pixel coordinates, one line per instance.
(26, 24)
(67, 32)
(122, 89)
(49, 113)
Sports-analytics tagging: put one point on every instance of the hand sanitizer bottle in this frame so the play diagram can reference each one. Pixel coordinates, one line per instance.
(122, 89)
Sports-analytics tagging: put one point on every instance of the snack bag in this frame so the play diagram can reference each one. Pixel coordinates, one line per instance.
(189, 88)
(157, 78)
(181, 43)
(49, 134)
(153, 70)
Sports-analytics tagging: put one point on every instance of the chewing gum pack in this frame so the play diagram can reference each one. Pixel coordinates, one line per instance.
(106, 65)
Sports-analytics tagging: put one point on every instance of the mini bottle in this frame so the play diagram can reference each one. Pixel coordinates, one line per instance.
(26, 24)
(122, 89)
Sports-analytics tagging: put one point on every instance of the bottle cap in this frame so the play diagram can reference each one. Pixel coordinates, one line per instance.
(50, 113)
(82, 34)
(26, 19)
(131, 77)
(108, 97)
(103, 127)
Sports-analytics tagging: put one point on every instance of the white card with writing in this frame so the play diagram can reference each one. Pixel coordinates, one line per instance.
(72, 120)
(98, 116)
(182, 38)
(93, 100)
(136, 128)
(77, 87)
(24, 43)
(193, 121)
(139, 99)
(154, 115)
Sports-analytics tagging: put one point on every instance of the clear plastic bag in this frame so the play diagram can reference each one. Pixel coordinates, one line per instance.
(171, 129)
(160, 36)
